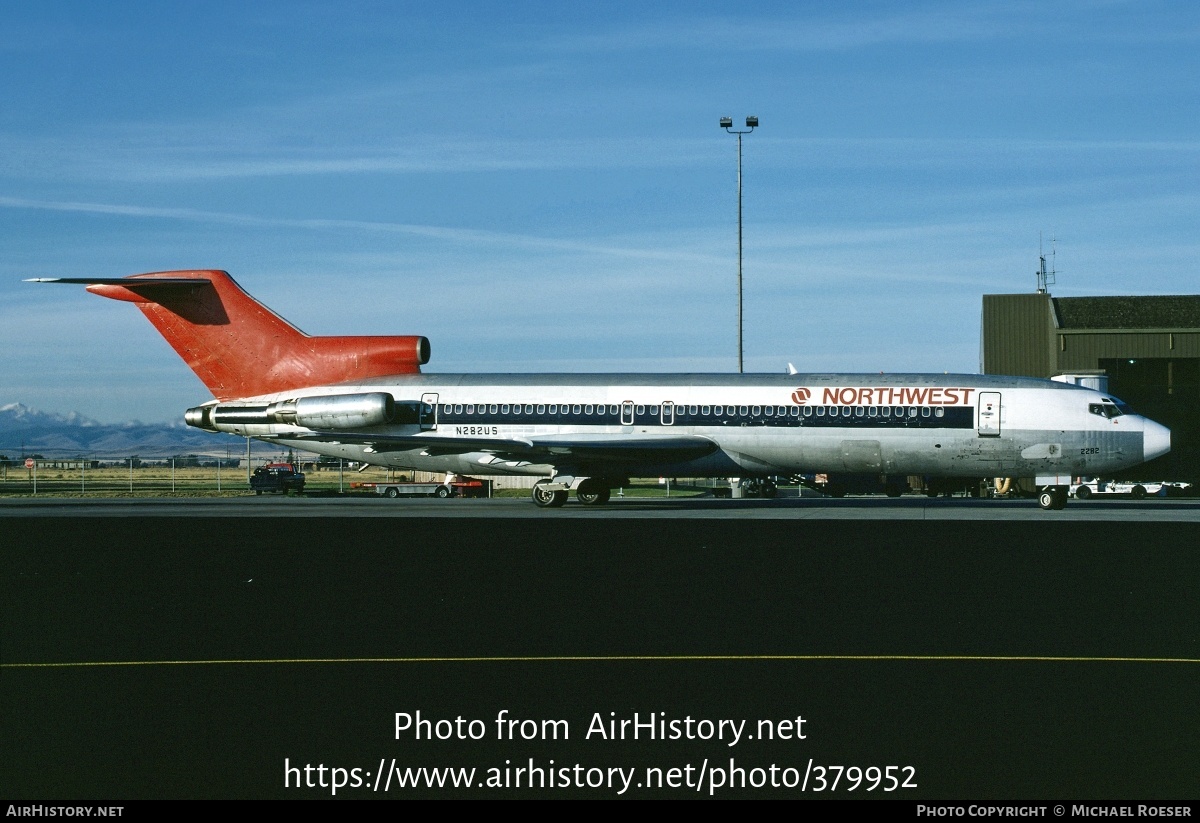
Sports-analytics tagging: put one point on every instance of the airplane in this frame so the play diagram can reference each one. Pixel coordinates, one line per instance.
(365, 399)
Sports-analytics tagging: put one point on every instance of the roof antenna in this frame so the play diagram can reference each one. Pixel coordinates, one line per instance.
(1045, 278)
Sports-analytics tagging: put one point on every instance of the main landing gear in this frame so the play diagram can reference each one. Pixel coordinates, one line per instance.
(592, 492)
(548, 498)
(550, 494)
(1053, 497)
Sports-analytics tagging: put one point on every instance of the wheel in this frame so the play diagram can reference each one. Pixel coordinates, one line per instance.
(442, 492)
(1083, 493)
(393, 492)
(592, 492)
(258, 491)
(547, 499)
(1138, 492)
(768, 490)
(1053, 498)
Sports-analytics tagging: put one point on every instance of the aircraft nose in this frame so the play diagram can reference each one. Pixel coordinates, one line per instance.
(1156, 440)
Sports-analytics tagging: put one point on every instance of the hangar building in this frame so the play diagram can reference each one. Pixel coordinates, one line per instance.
(1148, 348)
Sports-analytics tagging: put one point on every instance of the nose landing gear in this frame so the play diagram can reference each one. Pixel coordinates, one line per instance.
(1053, 498)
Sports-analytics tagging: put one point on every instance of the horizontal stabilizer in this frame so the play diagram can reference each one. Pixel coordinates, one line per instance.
(127, 282)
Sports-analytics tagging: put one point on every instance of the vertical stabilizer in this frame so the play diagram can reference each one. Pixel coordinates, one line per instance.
(240, 348)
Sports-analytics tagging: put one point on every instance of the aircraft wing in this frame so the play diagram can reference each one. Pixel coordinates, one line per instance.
(623, 448)
(546, 448)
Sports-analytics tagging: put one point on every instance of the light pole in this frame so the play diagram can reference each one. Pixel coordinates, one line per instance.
(751, 125)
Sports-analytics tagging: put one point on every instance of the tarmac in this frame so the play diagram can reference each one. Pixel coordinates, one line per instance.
(910, 507)
(234, 647)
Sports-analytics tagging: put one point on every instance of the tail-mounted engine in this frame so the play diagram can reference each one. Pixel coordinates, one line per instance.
(338, 411)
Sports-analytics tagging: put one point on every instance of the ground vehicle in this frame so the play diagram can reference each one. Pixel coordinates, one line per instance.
(840, 485)
(277, 477)
(744, 487)
(452, 486)
(1089, 486)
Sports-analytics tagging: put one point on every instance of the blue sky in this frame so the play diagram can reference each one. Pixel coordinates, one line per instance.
(544, 186)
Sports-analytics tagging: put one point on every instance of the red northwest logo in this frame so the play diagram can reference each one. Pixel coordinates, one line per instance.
(800, 396)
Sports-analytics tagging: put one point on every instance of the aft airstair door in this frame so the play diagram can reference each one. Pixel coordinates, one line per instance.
(428, 414)
(988, 417)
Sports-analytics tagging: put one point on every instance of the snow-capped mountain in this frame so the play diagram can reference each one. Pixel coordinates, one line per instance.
(26, 430)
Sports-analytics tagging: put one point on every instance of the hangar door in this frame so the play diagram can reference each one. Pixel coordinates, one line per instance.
(988, 419)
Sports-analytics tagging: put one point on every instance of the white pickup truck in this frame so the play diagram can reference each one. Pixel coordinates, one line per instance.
(452, 486)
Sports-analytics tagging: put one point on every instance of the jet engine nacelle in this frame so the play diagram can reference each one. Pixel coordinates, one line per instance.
(337, 411)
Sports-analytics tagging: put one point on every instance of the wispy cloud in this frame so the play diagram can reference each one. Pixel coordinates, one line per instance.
(840, 28)
(456, 235)
(795, 32)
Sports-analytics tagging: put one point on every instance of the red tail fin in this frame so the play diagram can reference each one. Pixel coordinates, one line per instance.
(240, 348)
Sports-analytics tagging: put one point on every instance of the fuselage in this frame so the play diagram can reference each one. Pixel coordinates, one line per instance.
(940, 425)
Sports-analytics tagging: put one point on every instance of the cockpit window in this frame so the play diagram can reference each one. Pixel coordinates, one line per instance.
(1107, 409)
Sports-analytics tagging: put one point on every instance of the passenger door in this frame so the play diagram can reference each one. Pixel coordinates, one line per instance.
(988, 416)
(428, 412)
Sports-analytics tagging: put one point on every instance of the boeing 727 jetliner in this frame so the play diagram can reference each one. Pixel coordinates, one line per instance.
(365, 399)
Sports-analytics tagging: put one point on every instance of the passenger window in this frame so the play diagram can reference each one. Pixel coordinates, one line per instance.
(492, 409)
(458, 408)
(859, 411)
(505, 409)
(706, 410)
(641, 410)
(924, 411)
(528, 408)
(541, 409)
(588, 409)
(939, 412)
